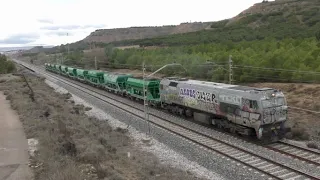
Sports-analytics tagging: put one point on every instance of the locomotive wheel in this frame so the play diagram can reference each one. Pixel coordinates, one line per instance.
(232, 130)
(219, 124)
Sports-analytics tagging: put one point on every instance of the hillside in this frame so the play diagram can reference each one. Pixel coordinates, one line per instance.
(277, 19)
(119, 34)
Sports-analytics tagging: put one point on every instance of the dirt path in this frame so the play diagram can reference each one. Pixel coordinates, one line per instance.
(13, 145)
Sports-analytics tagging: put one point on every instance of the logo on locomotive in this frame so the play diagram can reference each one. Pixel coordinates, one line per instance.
(199, 95)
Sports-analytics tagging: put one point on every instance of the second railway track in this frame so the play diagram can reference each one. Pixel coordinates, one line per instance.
(304, 154)
(269, 168)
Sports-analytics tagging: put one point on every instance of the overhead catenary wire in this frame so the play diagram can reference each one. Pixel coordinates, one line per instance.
(276, 69)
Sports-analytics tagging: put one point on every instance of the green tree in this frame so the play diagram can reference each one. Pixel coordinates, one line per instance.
(318, 35)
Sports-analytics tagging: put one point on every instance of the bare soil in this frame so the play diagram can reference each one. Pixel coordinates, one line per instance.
(74, 146)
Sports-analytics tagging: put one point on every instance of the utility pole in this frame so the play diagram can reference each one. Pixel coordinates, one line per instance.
(145, 104)
(230, 70)
(68, 43)
(95, 62)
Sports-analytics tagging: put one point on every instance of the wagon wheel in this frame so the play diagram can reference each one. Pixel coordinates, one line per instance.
(232, 130)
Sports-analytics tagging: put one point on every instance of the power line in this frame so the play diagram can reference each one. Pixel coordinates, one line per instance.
(276, 69)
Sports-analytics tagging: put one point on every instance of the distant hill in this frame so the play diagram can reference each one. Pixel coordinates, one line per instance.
(101, 37)
(6, 49)
(119, 34)
(22, 48)
(277, 19)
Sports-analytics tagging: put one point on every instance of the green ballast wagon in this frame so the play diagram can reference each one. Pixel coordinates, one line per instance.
(116, 82)
(95, 77)
(57, 68)
(81, 74)
(72, 72)
(63, 70)
(135, 88)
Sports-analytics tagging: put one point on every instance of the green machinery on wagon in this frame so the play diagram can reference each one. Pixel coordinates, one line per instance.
(135, 89)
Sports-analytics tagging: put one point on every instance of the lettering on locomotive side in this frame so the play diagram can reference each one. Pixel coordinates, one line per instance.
(199, 95)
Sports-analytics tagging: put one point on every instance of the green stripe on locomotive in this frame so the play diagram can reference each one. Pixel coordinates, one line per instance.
(72, 72)
(116, 82)
(95, 77)
(135, 88)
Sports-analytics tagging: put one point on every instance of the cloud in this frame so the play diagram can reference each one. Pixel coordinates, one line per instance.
(97, 26)
(45, 21)
(20, 39)
(59, 33)
(71, 27)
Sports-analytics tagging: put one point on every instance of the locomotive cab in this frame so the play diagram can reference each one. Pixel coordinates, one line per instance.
(273, 114)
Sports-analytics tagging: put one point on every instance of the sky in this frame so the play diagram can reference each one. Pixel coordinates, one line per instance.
(55, 22)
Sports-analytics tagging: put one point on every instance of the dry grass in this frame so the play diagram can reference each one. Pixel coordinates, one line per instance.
(312, 145)
(74, 146)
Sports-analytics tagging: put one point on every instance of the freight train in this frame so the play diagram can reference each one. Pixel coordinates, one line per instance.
(261, 112)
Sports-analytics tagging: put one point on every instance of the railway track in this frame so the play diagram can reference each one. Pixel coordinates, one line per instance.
(301, 153)
(269, 169)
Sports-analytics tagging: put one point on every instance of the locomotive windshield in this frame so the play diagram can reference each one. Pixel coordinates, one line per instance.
(278, 101)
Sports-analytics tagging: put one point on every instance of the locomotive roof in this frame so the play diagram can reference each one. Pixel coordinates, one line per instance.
(217, 85)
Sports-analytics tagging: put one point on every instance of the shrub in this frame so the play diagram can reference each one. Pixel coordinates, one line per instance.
(300, 134)
(312, 145)
(6, 66)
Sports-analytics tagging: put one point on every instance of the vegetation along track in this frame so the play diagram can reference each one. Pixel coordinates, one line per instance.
(304, 154)
(267, 167)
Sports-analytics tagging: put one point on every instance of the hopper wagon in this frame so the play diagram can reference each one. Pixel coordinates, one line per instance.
(57, 68)
(72, 72)
(64, 70)
(95, 78)
(116, 82)
(47, 66)
(81, 74)
(135, 89)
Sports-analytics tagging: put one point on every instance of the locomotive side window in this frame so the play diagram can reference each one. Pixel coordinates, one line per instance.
(173, 84)
(253, 104)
